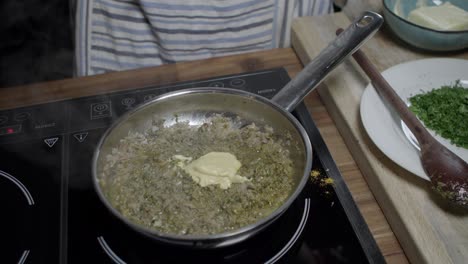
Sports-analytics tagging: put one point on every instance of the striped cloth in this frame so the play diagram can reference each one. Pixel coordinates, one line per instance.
(115, 35)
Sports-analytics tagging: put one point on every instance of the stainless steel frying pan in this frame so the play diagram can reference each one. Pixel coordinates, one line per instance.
(198, 105)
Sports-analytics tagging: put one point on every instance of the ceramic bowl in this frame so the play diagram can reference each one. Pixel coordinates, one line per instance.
(395, 13)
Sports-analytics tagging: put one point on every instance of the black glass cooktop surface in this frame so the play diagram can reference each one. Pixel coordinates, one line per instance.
(52, 214)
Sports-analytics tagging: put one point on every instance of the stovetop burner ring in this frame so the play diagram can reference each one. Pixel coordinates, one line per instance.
(296, 235)
(24, 256)
(20, 185)
(108, 250)
(288, 243)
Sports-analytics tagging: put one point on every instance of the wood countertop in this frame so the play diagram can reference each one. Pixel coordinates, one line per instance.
(429, 230)
(14, 97)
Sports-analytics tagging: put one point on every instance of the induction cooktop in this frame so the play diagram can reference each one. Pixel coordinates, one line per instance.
(51, 213)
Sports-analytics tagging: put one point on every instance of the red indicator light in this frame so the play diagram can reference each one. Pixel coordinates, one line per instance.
(9, 130)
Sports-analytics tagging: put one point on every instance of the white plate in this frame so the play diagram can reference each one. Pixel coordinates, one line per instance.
(384, 126)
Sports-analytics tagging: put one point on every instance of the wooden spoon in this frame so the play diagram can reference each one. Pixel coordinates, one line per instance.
(447, 171)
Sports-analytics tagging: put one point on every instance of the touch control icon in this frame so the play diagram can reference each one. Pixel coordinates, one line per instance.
(128, 102)
(266, 91)
(51, 141)
(80, 136)
(237, 83)
(3, 119)
(101, 110)
(148, 97)
(216, 84)
(22, 116)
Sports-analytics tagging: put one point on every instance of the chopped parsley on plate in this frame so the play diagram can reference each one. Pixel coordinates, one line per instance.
(445, 111)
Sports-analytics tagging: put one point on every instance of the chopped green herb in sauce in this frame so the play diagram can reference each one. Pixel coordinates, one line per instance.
(444, 110)
(148, 187)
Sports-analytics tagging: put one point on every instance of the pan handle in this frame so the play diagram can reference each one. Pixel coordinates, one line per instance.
(339, 49)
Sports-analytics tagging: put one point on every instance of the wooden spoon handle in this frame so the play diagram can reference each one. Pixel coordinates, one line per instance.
(388, 93)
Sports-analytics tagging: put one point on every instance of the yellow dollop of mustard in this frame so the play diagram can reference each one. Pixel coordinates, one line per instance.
(214, 168)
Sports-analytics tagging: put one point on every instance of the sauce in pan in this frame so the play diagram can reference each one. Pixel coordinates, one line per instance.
(199, 180)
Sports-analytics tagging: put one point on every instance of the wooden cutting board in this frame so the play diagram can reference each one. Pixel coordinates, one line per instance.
(429, 230)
